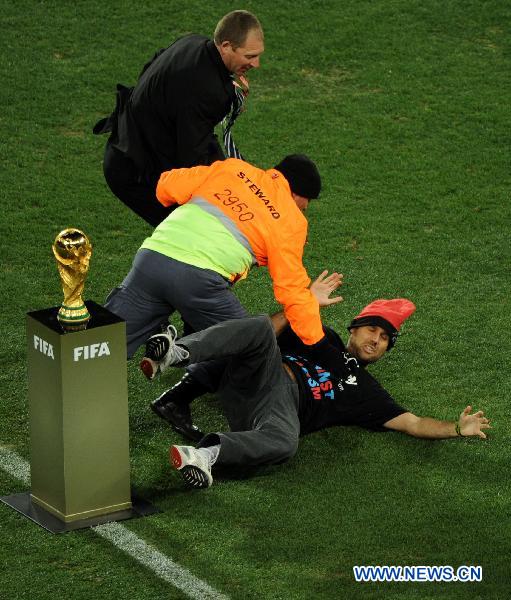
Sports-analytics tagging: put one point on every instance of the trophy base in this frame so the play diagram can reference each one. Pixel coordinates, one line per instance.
(22, 503)
(70, 327)
(73, 318)
(99, 316)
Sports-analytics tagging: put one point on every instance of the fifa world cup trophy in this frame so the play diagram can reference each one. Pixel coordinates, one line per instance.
(72, 251)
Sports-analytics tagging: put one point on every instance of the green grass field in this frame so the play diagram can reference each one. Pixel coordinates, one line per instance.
(405, 105)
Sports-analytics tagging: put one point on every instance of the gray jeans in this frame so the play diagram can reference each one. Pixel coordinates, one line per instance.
(156, 286)
(258, 397)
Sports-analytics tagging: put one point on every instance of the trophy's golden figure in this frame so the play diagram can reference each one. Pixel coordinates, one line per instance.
(72, 250)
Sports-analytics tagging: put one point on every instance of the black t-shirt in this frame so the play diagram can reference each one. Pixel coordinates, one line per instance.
(353, 397)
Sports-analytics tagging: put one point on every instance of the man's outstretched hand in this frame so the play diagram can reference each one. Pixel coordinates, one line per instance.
(473, 424)
(325, 285)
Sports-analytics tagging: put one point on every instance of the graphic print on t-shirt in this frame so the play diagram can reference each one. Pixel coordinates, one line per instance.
(320, 382)
(349, 396)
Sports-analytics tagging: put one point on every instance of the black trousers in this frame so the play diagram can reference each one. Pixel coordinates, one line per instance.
(128, 184)
(259, 399)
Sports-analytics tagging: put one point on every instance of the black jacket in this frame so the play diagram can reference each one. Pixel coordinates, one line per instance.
(167, 120)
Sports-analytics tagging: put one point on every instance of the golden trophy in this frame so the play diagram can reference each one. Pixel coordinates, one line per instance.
(72, 251)
(78, 407)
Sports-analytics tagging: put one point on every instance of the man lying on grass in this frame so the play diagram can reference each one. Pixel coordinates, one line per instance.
(271, 396)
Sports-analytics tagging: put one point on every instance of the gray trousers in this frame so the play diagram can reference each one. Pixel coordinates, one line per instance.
(258, 397)
(156, 286)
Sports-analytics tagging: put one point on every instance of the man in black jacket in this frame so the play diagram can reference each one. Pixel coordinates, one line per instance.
(167, 120)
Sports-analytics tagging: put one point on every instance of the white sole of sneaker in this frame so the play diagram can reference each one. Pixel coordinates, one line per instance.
(192, 475)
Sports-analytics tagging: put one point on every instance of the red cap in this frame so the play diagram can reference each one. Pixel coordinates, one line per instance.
(394, 311)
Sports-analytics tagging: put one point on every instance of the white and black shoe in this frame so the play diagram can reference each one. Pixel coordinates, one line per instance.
(194, 465)
(161, 352)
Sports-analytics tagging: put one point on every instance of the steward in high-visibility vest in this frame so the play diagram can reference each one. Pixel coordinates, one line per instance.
(230, 217)
(234, 216)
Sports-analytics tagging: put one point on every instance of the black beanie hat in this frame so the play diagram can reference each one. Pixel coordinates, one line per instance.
(381, 322)
(301, 174)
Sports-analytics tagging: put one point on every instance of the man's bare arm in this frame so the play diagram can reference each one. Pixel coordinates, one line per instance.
(279, 322)
(429, 428)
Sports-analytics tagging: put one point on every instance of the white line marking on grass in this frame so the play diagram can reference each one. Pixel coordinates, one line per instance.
(164, 567)
(127, 541)
(16, 466)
